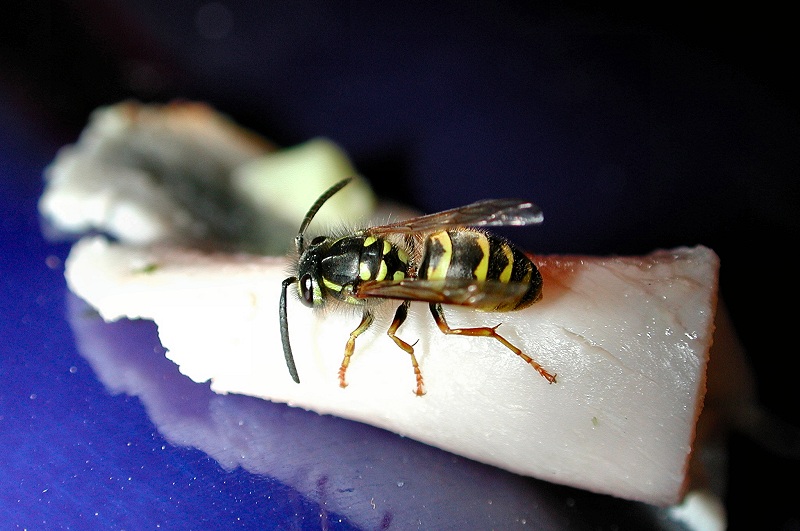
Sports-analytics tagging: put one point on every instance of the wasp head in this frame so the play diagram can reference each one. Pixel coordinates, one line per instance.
(310, 286)
(309, 278)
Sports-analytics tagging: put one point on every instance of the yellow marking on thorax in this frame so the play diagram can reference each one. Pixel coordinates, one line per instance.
(439, 264)
(364, 272)
(402, 255)
(382, 270)
(369, 240)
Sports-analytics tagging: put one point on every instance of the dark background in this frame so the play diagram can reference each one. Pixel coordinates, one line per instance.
(633, 128)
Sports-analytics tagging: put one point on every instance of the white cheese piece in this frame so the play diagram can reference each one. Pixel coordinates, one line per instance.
(628, 337)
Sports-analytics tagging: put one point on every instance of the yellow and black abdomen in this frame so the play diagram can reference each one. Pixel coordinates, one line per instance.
(472, 254)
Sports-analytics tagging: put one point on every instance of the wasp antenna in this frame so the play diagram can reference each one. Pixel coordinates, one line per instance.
(284, 323)
(318, 204)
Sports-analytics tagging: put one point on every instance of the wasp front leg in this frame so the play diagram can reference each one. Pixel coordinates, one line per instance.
(486, 331)
(366, 321)
(399, 317)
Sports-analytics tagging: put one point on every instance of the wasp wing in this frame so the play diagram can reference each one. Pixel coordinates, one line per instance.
(486, 213)
(485, 295)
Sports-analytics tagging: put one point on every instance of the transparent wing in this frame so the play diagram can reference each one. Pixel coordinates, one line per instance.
(486, 294)
(486, 213)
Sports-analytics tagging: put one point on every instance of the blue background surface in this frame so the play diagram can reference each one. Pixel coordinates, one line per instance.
(632, 129)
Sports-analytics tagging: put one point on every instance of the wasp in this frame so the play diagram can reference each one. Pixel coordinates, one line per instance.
(442, 258)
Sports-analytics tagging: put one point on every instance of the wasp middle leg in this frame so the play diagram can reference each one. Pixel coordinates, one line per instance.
(400, 317)
(487, 331)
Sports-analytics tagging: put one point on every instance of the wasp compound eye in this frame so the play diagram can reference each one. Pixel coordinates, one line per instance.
(307, 289)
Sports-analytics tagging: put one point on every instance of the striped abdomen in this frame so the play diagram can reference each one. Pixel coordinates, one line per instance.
(478, 255)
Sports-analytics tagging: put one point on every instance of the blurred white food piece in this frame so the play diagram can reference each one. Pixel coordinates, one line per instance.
(185, 174)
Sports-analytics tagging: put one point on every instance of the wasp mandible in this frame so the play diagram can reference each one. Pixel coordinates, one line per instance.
(442, 258)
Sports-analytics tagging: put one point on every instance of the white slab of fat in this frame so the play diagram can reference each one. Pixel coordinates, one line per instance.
(628, 337)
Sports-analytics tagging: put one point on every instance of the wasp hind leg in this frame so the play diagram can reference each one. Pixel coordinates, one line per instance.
(366, 321)
(486, 331)
(399, 317)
